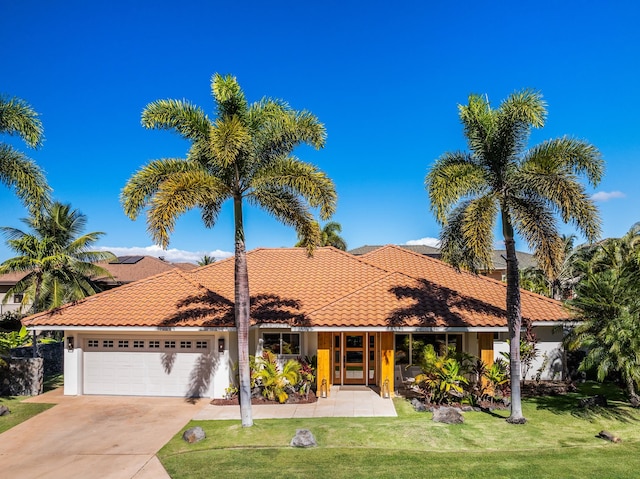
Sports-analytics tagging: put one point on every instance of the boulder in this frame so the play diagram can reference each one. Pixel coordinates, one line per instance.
(593, 401)
(608, 436)
(303, 438)
(193, 435)
(4, 410)
(418, 405)
(448, 415)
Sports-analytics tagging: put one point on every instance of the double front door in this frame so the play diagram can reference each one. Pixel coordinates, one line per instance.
(354, 358)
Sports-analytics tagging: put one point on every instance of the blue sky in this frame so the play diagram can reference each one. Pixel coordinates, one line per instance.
(384, 77)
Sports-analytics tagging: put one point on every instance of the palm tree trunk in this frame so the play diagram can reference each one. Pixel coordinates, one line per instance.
(514, 319)
(242, 314)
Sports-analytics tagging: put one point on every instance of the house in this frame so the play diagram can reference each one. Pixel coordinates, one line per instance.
(173, 334)
(124, 270)
(499, 270)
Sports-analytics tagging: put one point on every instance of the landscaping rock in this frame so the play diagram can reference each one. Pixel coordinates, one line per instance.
(418, 405)
(448, 415)
(193, 435)
(608, 436)
(303, 438)
(597, 400)
(4, 410)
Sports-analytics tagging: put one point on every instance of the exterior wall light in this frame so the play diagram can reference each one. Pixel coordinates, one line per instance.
(386, 393)
(69, 343)
(221, 345)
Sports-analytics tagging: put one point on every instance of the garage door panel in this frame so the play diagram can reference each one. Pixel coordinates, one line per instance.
(142, 373)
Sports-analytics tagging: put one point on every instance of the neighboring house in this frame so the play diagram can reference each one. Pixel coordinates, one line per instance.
(126, 269)
(173, 334)
(499, 271)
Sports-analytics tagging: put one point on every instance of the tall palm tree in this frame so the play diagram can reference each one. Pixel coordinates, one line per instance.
(607, 302)
(56, 258)
(16, 170)
(243, 154)
(330, 236)
(525, 189)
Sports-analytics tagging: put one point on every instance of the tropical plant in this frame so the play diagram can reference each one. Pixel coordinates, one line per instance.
(206, 259)
(525, 189)
(274, 382)
(441, 379)
(330, 236)
(16, 170)
(607, 305)
(244, 154)
(497, 376)
(55, 257)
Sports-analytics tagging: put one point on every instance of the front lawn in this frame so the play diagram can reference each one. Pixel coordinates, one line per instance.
(558, 442)
(20, 411)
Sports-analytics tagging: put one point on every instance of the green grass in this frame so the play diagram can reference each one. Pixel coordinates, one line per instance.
(20, 411)
(557, 442)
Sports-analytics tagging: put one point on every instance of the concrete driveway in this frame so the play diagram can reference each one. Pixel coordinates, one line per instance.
(105, 437)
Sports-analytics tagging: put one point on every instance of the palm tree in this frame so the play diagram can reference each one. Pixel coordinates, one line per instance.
(16, 170)
(244, 154)
(55, 257)
(607, 303)
(525, 189)
(330, 236)
(206, 259)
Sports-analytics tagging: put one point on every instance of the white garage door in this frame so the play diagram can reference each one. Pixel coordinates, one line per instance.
(148, 366)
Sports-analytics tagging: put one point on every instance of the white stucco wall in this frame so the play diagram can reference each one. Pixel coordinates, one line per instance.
(550, 357)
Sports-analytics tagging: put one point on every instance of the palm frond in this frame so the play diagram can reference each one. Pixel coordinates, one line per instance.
(141, 187)
(186, 119)
(453, 177)
(17, 117)
(177, 194)
(19, 172)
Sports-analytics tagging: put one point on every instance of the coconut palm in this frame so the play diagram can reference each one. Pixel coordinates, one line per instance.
(56, 258)
(607, 301)
(330, 236)
(16, 170)
(525, 189)
(243, 154)
(206, 259)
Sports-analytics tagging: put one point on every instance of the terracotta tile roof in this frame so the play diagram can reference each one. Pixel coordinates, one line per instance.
(390, 287)
(167, 299)
(480, 288)
(143, 268)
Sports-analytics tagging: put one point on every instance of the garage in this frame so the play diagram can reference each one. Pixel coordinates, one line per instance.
(149, 366)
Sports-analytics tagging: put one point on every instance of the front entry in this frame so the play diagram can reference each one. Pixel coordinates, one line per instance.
(354, 358)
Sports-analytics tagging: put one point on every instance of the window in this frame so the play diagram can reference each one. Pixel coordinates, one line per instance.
(107, 343)
(282, 343)
(123, 343)
(409, 347)
(202, 344)
(185, 344)
(138, 344)
(17, 298)
(93, 343)
(154, 344)
(170, 344)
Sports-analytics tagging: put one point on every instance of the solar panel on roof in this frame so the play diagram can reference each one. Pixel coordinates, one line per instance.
(127, 260)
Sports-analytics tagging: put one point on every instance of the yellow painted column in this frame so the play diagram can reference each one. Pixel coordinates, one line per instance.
(323, 369)
(485, 347)
(387, 364)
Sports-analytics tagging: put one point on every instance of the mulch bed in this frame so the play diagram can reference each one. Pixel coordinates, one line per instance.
(547, 388)
(293, 399)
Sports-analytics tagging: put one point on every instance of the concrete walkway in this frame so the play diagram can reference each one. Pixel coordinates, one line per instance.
(342, 402)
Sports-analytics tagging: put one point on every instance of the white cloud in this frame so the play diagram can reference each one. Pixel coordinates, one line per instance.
(172, 255)
(435, 242)
(606, 196)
